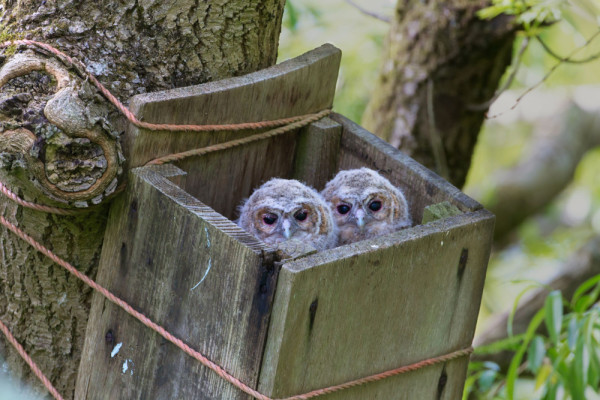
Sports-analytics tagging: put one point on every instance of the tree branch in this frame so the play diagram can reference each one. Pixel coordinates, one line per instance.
(569, 58)
(544, 171)
(369, 13)
(566, 59)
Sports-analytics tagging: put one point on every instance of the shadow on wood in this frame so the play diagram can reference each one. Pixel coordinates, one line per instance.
(294, 325)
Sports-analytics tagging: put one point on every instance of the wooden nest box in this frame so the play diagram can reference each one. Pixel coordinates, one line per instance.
(283, 326)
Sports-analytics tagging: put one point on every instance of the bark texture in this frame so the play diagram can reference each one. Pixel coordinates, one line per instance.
(440, 60)
(132, 47)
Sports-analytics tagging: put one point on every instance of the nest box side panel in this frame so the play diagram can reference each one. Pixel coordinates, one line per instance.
(188, 269)
(422, 187)
(379, 304)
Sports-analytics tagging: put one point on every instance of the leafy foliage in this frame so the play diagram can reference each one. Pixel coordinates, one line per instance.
(560, 352)
(531, 14)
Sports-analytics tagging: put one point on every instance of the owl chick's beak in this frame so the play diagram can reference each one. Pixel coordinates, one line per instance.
(286, 228)
(360, 218)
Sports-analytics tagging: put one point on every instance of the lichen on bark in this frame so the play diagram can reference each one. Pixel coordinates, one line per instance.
(439, 59)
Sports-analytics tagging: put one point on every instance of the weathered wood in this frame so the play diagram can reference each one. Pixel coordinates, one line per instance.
(317, 153)
(302, 85)
(421, 186)
(378, 304)
(299, 86)
(190, 269)
(338, 314)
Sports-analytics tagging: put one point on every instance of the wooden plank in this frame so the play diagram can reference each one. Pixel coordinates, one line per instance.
(317, 151)
(422, 187)
(379, 304)
(189, 269)
(223, 180)
(299, 86)
(302, 85)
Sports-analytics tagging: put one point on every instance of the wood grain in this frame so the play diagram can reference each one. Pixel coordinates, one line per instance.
(422, 187)
(189, 269)
(302, 85)
(299, 86)
(379, 304)
(317, 151)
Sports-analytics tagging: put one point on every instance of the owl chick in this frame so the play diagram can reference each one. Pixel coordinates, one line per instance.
(283, 209)
(365, 205)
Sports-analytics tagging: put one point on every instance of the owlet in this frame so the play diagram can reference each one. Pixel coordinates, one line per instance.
(283, 209)
(365, 205)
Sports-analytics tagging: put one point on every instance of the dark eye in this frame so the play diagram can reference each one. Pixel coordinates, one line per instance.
(375, 205)
(343, 209)
(269, 219)
(301, 215)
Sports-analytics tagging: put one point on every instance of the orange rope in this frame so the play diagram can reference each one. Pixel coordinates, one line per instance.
(238, 142)
(147, 125)
(36, 370)
(27, 204)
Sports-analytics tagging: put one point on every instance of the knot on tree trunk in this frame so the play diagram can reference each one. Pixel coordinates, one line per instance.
(54, 131)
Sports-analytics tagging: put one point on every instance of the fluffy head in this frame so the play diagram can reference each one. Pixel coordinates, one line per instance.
(365, 205)
(283, 209)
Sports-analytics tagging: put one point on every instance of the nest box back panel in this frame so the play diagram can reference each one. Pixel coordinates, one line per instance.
(303, 85)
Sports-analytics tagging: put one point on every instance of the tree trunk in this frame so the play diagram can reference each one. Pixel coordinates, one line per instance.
(59, 139)
(440, 62)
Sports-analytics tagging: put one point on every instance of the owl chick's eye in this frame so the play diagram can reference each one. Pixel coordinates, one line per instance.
(269, 219)
(343, 208)
(375, 205)
(301, 215)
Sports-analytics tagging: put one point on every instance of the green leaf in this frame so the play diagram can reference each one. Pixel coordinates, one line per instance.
(491, 365)
(551, 391)
(536, 353)
(469, 384)
(553, 315)
(580, 370)
(509, 323)
(542, 376)
(572, 332)
(583, 289)
(579, 303)
(486, 380)
(593, 374)
(292, 16)
(512, 373)
(511, 343)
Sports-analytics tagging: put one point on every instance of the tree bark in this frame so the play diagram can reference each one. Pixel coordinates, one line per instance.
(440, 62)
(59, 152)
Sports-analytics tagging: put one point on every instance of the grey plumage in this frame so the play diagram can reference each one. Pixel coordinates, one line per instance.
(285, 209)
(365, 205)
